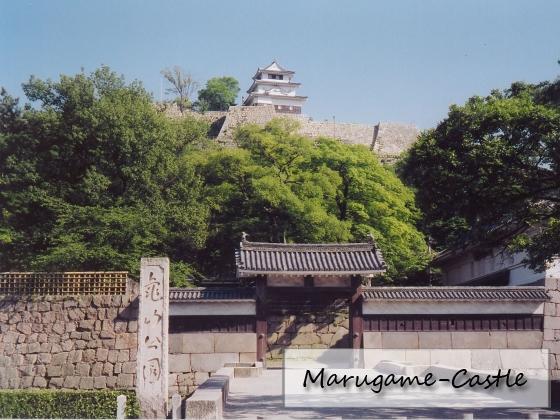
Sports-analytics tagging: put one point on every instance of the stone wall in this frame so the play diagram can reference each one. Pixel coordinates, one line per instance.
(75, 342)
(194, 356)
(386, 139)
(307, 330)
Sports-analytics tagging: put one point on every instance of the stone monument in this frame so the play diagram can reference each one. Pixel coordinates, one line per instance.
(153, 320)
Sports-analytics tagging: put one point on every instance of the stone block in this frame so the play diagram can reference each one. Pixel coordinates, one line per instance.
(179, 363)
(75, 356)
(24, 328)
(399, 340)
(101, 354)
(67, 345)
(39, 382)
(54, 370)
(99, 382)
(372, 340)
(129, 367)
(125, 341)
(113, 356)
(56, 382)
(82, 369)
(434, 339)
(197, 343)
(86, 383)
(111, 381)
(205, 405)
(175, 343)
(549, 309)
(247, 357)
(44, 358)
(247, 372)
(106, 334)
(326, 338)
(211, 362)
(71, 382)
(306, 339)
(498, 339)
(26, 382)
(552, 322)
(59, 358)
(120, 326)
(470, 339)
(132, 326)
(524, 339)
(88, 355)
(124, 356)
(125, 380)
(68, 369)
(46, 347)
(97, 369)
(235, 342)
(41, 370)
(108, 369)
(34, 348)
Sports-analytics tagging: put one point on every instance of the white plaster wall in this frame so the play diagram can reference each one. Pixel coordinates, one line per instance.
(212, 308)
(433, 307)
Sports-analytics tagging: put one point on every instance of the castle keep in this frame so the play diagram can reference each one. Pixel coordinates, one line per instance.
(272, 94)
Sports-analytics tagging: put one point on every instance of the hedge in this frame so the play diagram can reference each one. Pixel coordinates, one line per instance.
(39, 403)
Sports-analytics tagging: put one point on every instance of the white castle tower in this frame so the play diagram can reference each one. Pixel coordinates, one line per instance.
(273, 85)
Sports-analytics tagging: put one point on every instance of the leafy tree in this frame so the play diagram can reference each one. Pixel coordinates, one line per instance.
(492, 169)
(182, 86)
(279, 186)
(92, 177)
(218, 95)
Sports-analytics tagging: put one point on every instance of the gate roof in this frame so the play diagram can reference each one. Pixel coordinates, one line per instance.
(255, 258)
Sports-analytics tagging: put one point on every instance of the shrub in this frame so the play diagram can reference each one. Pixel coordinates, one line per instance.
(65, 404)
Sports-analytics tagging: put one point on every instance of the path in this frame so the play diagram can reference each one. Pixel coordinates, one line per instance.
(254, 398)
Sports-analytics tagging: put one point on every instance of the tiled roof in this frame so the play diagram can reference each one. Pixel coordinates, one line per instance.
(208, 294)
(456, 293)
(254, 258)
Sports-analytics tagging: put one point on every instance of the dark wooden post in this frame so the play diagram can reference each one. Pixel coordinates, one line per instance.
(261, 323)
(356, 319)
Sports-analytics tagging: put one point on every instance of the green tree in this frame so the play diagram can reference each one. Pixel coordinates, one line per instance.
(218, 95)
(492, 169)
(92, 177)
(279, 186)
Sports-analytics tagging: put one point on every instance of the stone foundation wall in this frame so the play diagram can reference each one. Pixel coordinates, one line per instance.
(552, 332)
(318, 331)
(386, 139)
(453, 340)
(81, 342)
(194, 356)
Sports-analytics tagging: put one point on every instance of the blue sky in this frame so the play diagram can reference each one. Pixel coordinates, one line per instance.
(360, 61)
